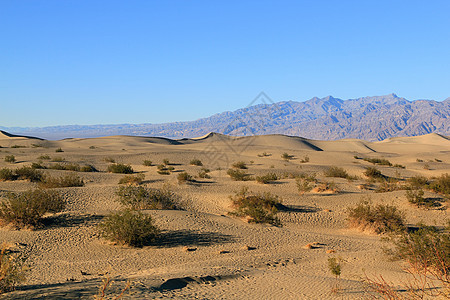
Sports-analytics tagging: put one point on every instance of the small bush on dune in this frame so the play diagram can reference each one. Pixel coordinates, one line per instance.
(417, 181)
(44, 157)
(120, 168)
(28, 173)
(184, 177)
(59, 150)
(258, 208)
(268, 178)
(336, 172)
(12, 269)
(374, 173)
(378, 161)
(196, 162)
(441, 185)
(26, 209)
(70, 180)
(10, 159)
(132, 179)
(164, 170)
(37, 166)
(287, 157)
(166, 161)
(379, 218)
(7, 175)
(240, 165)
(147, 163)
(203, 173)
(416, 197)
(109, 159)
(303, 185)
(88, 168)
(58, 159)
(139, 197)
(129, 227)
(238, 175)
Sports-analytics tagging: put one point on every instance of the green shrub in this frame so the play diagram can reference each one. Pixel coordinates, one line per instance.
(417, 181)
(163, 170)
(268, 178)
(196, 162)
(166, 161)
(18, 146)
(415, 197)
(147, 163)
(379, 219)
(441, 185)
(240, 165)
(184, 177)
(65, 167)
(10, 159)
(7, 174)
(373, 173)
(28, 173)
(129, 227)
(336, 172)
(139, 197)
(264, 154)
(37, 166)
(287, 157)
(44, 157)
(399, 166)
(203, 173)
(12, 269)
(305, 159)
(304, 185)
(88, 168)
(59, 150)
(238, 175)
(70, 180)
(378, 161)
(132, 179)
(26, 209)
(258, 208)
(120, 168)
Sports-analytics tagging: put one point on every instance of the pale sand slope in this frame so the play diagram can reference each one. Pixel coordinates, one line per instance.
(68, 259)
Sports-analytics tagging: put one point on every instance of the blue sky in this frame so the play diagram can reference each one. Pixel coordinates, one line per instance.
(110, 62)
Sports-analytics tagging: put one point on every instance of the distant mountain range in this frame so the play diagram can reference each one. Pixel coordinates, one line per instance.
(329, 118)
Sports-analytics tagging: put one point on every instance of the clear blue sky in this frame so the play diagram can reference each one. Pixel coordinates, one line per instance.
(109, 62)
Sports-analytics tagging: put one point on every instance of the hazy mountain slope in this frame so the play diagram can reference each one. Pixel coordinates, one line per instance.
(368, 118)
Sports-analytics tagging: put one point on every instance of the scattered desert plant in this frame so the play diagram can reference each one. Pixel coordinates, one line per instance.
(426, 167)
(203, 173)
(378, 161)
(264, 154)
(147, 163)
(7, 175)
(129, 227)
(238, 175)
(28, 173)
(184, 177)
(303, 185)
(388, 186)
(92, 147)
(166, 161)
(380, 218)
(58, 159)
(59, 150)
(287, 157)
(334, 171)
(419, 160)
(65, 167)
(88, 168)
(326, 187)
(441, 185)
(437, 160)
(417, 181)
(196, 162)
(70, 180)
(268, 178)
(120, 168)
(44, 157)
(258, 208)
(10, 159)
(12, 269)
(37, 166)
(109, 159)
(335, 267)
(240, 165)
(18, 146)
(374, 173)
(305, 159)
(132, 179)
(26, 209)
(163, 170)
(139, 197)
(399, 166)
(416, 197)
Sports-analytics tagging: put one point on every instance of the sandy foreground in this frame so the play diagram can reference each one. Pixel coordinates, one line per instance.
(231, 259)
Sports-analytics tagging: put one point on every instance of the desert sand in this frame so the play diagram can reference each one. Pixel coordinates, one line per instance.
(230, 258)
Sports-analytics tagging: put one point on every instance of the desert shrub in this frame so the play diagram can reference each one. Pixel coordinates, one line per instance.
(59, 150)
(147, 163)
(287, 157)
(378, 161)
(18, 146)
(264, 154)
(132, 179)
(166, 161)
(163, 170)
(441, 184)
(129, 227)
(7, 174)
(28, 173)
(336, 172)
(70, 180)
(437, 160)
(238, 175)
(88, 168)
(387, 186)
(308, 177)
(120, 168)
(58, 159)
(305, 159)
(196, 162)
(373, 173)
(303, 185)
(12, 269)
(26, 209)
(240, 165)
(10, 159)
(268, 178)
(203, 173)
(380, 218)
(399, 166)
(37, 166)
(258, 208)
(66, 167)
(139, 197)
(109, 159)
(326, 186)
(44, 157)
(417, 181)
(184, 177)
(415, 197)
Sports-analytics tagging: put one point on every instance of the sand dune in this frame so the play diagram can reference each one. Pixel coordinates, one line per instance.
(229, 258)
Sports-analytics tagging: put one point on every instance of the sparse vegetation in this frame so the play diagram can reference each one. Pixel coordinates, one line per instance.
(268, 178)
(44, 157)
(305, 159)
(203, 173)
(26, 209)
(7, 175)
(240, 165)
(303, 185)
(166, 161)
(379, 218)
(264, 154)
(70, 180)
(28, 173)
(441, 185)
(378, 161)
(416, 197)
(12, 269)
(287, 157)
(88, 168)
(374, 173)
(59, 150)
(147, 163)
(163, 170)
(140, 197)
(10, 159)
(109, 159)
(336, 172)
(258, 208)
(238, 175)
(196, 162)
(132, 179)
(184, 177)
(120, 168)
(129, 227)
(58, 159)
(17, 146)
